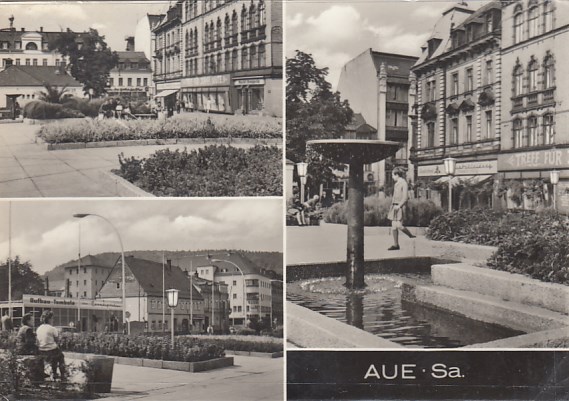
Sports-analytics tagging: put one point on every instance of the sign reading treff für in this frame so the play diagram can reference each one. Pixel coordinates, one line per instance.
(539, 159)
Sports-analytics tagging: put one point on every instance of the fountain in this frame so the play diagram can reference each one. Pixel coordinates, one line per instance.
(355, 153)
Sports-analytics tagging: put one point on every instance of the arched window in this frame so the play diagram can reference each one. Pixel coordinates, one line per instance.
(261, 12)
(548, 132)
(518, 134)
(533, 21)
(218, 33)
(211, 32)
(206, 65)
(548, 15)
(548, 72)
(31, 46)
(262, 62)
(518, 25)
(227, 25)
(195, 38)
(253, 17)
(244, 15)
(532, 131)
(206, 34)
(234, 28)
(518, 80)
(532, 75)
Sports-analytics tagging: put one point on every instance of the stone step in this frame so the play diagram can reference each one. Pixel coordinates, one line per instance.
(503, 285)
(489, 309)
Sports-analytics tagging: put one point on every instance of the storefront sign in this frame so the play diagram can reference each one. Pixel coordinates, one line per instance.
(539, 159)
(464, 168)
(249, 81)
(210, 80)
(59, 302)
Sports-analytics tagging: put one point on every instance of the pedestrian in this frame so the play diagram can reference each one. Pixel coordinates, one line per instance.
(118, 109)
(7, 324)
(396, 211)
(26, 337)
(178, 106)
(48, 337)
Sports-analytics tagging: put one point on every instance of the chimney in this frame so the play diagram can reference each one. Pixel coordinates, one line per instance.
(23, 29)
(129, 43)
(169, 264)
(41, 28)
(46, 285)
(11, 19)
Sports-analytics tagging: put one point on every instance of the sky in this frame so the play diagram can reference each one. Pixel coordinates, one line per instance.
(113, 19)
(335, 31)
(46, 233)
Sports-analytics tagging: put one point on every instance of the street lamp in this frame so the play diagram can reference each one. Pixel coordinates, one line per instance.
(302, 168)
(123, 283)
(243, 278)
(172, 295)
(554, 178)
(450, 166)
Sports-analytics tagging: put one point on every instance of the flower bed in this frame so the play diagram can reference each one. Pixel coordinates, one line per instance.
(534, 244)
(243, 343)
(183, 126)
(418, 212)
(210, 171)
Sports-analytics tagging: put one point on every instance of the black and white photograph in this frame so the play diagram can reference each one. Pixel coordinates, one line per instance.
(427, 197)
(141, 299)
(122, 99)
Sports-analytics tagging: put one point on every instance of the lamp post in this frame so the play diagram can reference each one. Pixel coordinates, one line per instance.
(554, 178)
(172, 295)
(302, 168)
(243, 278)
(123, 282)
(450, 166)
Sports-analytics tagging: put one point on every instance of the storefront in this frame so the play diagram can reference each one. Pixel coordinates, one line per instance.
(250, 94)
(83, 314)
(209, 94)
(530, 173)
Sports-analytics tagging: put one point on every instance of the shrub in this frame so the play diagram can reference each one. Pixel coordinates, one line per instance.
(210, 171)
(418, 213)
(89, 108)
(40, 110)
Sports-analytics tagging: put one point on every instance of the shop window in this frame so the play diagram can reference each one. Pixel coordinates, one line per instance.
(548, 132)
(518, 24)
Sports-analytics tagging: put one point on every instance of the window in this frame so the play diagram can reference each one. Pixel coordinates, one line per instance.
(468, 129)
(489, 125)
(234, 282)
(548, 134)
(533, 22)
(548, 15)
(35, 61)
(518, 80)
(120, 81)
(145, 81)
(234, 296)
(518, 134)
(548, 73)
(244, 58)
(44, 62)
(489, 23)
(77, 283)
(453, 131)
(219, 63)
(532, 131)
(430, 134)
(454, 89)
(469, 80)
(518, 25)
(253, 57)
(239, 308)
(31, 46)
(118, 286)
(85, 294)
(17, 61)
(138, 81)
(532, 76)
(28, 61)
(85, 270)
(84, 282)
(489, 73)
(261, 55)
(111, 82)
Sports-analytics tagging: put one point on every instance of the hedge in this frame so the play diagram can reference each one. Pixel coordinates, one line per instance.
(40, 110)
(210, 171)
(418, 212)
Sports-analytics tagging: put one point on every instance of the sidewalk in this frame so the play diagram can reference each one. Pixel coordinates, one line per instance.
(27, 169)
(251, 379)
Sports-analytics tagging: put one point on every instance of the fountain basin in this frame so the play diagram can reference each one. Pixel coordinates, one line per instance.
(348, 150)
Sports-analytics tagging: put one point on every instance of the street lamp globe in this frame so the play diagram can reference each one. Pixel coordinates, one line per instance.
(172, 295)
(554, 177)
(302, 168)
(450, 165)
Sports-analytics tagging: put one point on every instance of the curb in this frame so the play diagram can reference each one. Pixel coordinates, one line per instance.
(270, 355)
(122, 187)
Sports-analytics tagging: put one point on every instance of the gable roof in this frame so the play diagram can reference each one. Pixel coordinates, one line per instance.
(132, 57)
(149, 276)
(27, 75)
(359, 123)
(244, 263)
(104, 260)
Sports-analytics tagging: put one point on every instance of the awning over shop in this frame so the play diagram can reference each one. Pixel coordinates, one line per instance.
(166, 93)
(470, 179)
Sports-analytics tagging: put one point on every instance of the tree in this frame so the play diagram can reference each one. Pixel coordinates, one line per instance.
(53, 94)
(90, 59)
(24, 279)
(313, 111)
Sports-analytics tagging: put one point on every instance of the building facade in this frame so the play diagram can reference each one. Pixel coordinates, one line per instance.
(535, 101)
(131, 79)
(221, 56)
(85, 277)
(384, 109)
(458, 103)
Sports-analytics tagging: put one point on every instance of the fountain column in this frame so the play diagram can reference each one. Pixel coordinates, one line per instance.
(355, 248)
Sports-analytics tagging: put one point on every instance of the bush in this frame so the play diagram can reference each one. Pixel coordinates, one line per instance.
(418, 213)
(210, 171)
(89, 108)
(39, 110)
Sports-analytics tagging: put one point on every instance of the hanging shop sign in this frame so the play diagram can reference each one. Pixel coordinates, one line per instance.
(462, 168)
(539, 159)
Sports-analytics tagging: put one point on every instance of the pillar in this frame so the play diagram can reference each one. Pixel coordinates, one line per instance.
(355, 244)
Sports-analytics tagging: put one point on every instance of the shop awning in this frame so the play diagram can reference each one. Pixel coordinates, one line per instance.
(166, 93)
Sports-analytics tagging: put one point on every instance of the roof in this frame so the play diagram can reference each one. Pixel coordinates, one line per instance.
(13, 35)
(149, 274)
(358, 122)
(244, 263)
(396, 64)
(103, 260)
(20, 75)
(132, 57)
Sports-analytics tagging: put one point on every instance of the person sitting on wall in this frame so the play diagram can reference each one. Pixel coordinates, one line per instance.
(48, 338)
(26, 337)
(308, 206)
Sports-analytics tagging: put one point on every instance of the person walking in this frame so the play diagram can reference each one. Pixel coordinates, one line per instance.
(7, 324)
(396, 211)
(48, 337)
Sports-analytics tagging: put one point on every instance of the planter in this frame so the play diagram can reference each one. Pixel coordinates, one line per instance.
(121, 360)
(102, 373)
(211, 364)
(152, 363)
(278, 354)
(201, 366)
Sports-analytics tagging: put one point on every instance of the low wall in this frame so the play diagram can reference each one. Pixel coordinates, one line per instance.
(120, 186)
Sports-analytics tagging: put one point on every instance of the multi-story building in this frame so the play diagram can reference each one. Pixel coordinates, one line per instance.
(458, 99)
(223, 56)
(384, 108)
(85, 277)
(131, 79)
(535, 98)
